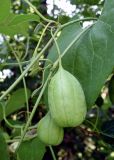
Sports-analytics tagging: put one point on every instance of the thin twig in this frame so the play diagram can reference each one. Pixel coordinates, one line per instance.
(52, 152)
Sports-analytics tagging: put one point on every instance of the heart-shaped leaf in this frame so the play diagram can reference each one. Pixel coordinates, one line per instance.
(32, 150)
(91, 58)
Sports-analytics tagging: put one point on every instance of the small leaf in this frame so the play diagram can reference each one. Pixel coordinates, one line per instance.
(16, 102)
(31, 150)
(3, 148)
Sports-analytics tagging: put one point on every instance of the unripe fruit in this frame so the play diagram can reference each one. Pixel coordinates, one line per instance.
(49, 132)
(66, 99)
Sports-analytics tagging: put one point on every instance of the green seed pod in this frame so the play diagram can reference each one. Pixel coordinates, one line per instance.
(49, 132)
(66, 99)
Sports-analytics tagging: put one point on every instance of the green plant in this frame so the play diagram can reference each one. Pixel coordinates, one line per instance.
(77, 64)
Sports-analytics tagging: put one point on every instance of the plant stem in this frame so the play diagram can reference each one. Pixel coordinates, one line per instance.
(78, 20)
(52, 152)
(18, 139)
(43, 80)
(15, 64)
(27, 69)
(25, 86)
(27, 48)
(97, 118)
(21, 70)
(70, 45)
(33, 111)
(92, 124)
(38, 13)
(7, 122)
(58, 49)
(35, 52)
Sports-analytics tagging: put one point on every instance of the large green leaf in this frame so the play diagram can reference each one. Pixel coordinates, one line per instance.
(16, 102)
(4, 9)
(18, 19)
(17, 24)
(3, 148)
(31, 150)
(91, 59)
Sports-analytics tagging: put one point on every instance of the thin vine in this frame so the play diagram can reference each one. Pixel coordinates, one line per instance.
(33, 111)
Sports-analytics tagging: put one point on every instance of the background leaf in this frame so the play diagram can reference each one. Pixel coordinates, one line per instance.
(17, 24)
(18, 19)
(4, 9)
(3, 148)
(32, 150)
(16, 102)
(12, 30)
(91, 59)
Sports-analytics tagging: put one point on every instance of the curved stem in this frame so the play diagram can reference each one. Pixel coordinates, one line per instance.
(27, 48)
(37, 12)
(52, 152)
(21, 70)
(33, 111)
(57, 46)
(92, 124)
(77, 20)
(43, 80)
(25, 87)
(7, 122)
(70, 45)
(35, 52)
